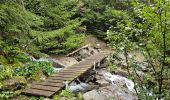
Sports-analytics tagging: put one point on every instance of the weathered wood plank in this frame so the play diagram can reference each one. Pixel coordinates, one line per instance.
(62, 78)
(46, 88)
(66, 73)
(50, 84)
(77, 69)
(55, 81)
(36, 92)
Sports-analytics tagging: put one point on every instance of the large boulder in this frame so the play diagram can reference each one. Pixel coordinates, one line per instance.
(110, 92)
(94, 95)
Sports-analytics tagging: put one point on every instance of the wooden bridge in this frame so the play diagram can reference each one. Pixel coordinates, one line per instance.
(58, 80)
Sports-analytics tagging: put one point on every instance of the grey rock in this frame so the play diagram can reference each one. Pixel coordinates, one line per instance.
(82, 87)
(84, 53)
(93, 51)
(102, 82)
(63, 61)
(110, 92)
(93, 95)
(140, 74)
(121, 72)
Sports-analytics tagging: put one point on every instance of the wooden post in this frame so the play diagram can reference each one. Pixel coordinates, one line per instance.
(98, 63)
(66, 84)
(94, 67)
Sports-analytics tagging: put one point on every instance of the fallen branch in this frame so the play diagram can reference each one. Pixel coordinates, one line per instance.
(86, 46)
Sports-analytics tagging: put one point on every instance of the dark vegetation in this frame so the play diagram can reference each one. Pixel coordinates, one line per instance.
(41, 27)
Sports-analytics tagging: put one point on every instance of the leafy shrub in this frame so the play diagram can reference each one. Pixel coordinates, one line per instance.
(36, 98)
(32, 68)
(5, 71)
(64, 93)
(6, 94)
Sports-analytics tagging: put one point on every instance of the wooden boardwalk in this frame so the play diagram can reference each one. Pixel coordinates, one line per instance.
(58, 80)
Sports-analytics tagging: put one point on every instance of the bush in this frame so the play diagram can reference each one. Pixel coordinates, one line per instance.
(5, 71)
(32, 68)
(64, 93)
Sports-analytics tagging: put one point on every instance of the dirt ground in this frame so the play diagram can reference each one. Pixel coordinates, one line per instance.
(95, 42)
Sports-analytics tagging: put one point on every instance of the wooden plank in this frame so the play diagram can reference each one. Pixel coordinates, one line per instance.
(84, 64)
(61, 78)
(87, 62)
(46, 88)
(38, 92)
(72, 70)
(60, 84)
(94, 59)
(77, 69)
(78, 66)
(67, 73)
(55, 81)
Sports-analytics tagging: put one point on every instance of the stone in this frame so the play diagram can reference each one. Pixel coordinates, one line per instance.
(144, 66)
(102, 82)
(98, 77)
(109, 93)
(82, 87)
(14, 83)
(84, 53)
(121, 73)
(93, 95)
(88, 76)
(63, 61)
(92, 50)
(141, 74)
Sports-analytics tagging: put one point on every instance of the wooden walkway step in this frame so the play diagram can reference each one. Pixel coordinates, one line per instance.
(57, 81)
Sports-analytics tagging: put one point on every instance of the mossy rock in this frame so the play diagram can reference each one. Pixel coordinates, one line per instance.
(14, 83)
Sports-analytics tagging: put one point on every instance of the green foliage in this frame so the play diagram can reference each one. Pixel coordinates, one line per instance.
(64, 93)
(145, 30)
(6, 94)
(36, 98)
(31, 69)
(40, 27)
(99, 15)
(67, 94)
(5, 71)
